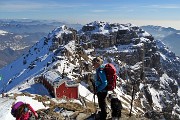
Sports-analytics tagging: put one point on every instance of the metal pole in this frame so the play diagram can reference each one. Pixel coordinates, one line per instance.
(132, 96)
(94, 90)
(1, 78)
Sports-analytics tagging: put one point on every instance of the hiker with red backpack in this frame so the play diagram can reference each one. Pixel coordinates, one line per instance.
(23, 111)
(100, 86)
(105, 80)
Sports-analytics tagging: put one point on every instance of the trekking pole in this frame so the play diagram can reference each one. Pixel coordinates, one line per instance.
(133, 90)
(94, 90)
(132, 98)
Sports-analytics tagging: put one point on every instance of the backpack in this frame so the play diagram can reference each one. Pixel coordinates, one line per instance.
(111, 76)
(15, 107)
(19, 108)
(116, 107)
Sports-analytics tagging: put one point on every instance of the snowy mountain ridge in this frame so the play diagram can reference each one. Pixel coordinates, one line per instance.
(132, 50)
(168, 35)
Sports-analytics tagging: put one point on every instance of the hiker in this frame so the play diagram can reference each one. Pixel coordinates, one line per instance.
(100, 85)
(23, 111)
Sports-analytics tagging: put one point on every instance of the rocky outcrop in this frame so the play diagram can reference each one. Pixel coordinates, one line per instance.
(140, 48)
(64, 38)
(170, 63)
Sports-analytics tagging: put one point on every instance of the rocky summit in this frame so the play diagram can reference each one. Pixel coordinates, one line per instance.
(148, 73)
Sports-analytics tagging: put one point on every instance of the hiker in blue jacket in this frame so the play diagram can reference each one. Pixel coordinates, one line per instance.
(100, 85)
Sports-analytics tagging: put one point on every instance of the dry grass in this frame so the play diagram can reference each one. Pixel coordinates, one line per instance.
(70, 106)
(49, 114)
(90, 107)
(41, 98)
(26, 94)
(137, 103)
(15, 95)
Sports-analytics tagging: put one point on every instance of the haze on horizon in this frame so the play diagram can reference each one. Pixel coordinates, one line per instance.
(162, 13)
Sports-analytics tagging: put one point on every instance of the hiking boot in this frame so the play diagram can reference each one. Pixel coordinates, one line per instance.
(102, 115)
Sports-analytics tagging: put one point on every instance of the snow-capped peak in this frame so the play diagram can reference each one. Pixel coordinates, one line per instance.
(3, 32)
(100, 27)
(59, 31)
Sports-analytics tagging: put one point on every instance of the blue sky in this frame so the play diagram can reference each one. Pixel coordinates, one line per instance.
(139, 12)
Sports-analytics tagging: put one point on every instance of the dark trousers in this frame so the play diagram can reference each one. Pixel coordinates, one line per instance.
(102, 104)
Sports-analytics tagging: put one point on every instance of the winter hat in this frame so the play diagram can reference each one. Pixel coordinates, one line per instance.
(97, 60)
(17, 104)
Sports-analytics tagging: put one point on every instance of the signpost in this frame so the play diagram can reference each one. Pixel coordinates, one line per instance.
(1, 79)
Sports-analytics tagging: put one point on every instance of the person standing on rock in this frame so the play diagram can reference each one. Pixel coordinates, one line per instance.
(100, 86)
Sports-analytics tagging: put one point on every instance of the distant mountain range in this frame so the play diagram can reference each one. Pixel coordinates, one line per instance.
(19, 35)
(170, 36)
(32, 26)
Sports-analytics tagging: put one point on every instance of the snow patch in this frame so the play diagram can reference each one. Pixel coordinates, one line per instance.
(3, 32)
